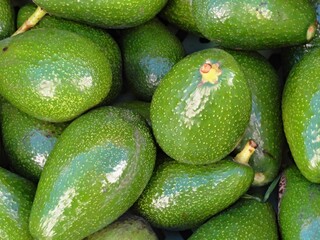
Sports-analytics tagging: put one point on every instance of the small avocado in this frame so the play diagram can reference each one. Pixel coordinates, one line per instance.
(201, 108)
(16, 200)
(46, 76)
(27, 140)
(299, 210)
(7, 19)
(146, 58)
(255, 24)
(96, 171)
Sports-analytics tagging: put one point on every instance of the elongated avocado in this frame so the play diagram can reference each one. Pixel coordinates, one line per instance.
(7, 20)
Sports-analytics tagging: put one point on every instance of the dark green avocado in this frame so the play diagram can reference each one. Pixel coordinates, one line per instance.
(7, 19)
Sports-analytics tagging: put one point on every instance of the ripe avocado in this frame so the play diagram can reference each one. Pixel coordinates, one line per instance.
(255, 24)
(96, 171)
(44, 74)
(7, 20)
(201, 108)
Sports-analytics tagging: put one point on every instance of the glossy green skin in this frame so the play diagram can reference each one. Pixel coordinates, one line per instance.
(149, 52)
(300, 113)
(201, 124)
(299, 210)
(45, 75)
(105, 13)
(27, 140)
(98, 168)
(107, 44)
(181, 196)
(127, 227)
(265, 126)
(143, 108)
(246, 219)
(15, 204)
(258, 24)
(7, 21)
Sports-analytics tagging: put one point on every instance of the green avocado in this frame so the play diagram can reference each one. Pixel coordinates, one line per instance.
(106, 13)
(201, 108)
(16, 200)
(7, 19)
(265, 126)
(27, 141)
(301, 116)
(103, 39)
(255, 24)
(146, 58)
(96, 171)
(46, 76)
(299, 210)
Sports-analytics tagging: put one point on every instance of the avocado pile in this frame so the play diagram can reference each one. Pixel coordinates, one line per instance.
(112, 129)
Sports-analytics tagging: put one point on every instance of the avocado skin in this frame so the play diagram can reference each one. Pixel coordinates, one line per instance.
(299, 211)
(46, 76)
(99, 36)
(265, 126)
(257, 24)
(181, 196)
(146, 58)
(27, 140)
(143, 108)
(201, 123)
(98, 168)
(7, 19)
(300, 113)
(106, 13)
(15, 204)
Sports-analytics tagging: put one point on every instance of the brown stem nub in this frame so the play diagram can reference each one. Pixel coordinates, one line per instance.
(31, 21)
(244, 156)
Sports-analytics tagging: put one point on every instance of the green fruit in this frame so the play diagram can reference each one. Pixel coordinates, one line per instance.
(7, 21)
(15, 204)
(98, 168)
(181, 196)
(104, 40)
(255, 24)
(27, 140)
(146, 58)
(45, 75)
(265, 126)
(127, 227)
(201, 108)
(143, 108)
(301, 117)
(106, 13)
(299, 210)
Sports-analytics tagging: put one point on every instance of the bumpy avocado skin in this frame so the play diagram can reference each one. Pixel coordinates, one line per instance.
(98, 168)
(255, 24)
(45, 75)
(7, 19)
(299, 211)
(200, 117)
(300, 113)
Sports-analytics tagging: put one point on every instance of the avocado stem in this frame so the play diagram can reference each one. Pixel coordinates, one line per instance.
(244, 156)
(31, 21)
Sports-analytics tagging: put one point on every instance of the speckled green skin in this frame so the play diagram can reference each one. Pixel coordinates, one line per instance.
(246, 219)
(107, 44)
(181, 196)
(265, 126)
(45, 75)
(128, 227)
(98, 168)
(15, 204)
(27, 140)
(299, 210)
(254, 24)
(143, 108)
(300, 113)
(149, 52)
(201, 124)
(7, 21)
(179, 13)
(105, 13)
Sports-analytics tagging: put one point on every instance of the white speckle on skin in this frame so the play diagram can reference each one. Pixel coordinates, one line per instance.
(114, 176)
(47, 88)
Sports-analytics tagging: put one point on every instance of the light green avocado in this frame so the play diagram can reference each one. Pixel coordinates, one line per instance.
(45, 75)
(7, 19)
(201, 108)
(96, 171)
